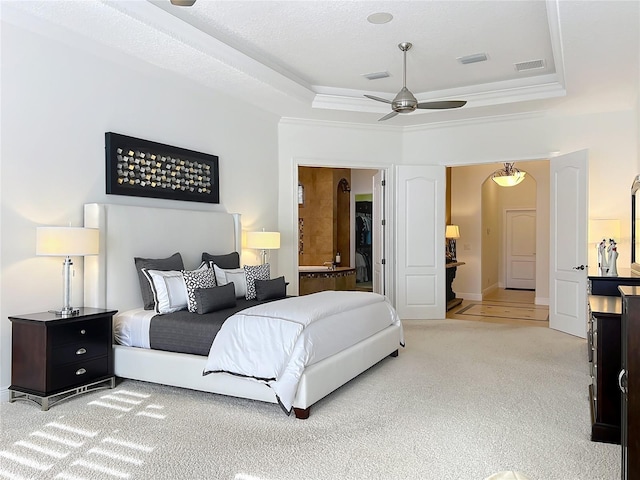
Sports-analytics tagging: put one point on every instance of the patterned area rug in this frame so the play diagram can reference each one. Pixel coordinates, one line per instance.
(501, 311)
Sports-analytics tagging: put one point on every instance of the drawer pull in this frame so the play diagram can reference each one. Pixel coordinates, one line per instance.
(621, 376)
(83, 332)
(81, 371)
(81, 351)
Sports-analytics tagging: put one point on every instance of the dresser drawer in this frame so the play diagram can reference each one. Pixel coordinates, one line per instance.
(73, 374)
(80, 352)
(95, 330)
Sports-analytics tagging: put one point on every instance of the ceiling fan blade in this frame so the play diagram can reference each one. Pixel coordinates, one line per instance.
(388, 116)
(378, 99)
(442, 105)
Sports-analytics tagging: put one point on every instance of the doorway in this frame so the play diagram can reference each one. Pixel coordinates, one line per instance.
(364, 242)
(478, 207)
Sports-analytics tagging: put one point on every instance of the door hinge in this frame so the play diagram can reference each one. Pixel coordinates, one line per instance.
(383, 183)
(383, 222)
(383, 262)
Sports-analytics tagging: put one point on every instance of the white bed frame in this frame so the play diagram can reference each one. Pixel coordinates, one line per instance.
(111, 281)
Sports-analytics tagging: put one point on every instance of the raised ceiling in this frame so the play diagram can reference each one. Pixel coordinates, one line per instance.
(307, 59)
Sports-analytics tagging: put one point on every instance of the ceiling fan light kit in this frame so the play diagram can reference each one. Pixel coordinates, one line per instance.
(509, 176)
(405, 101)
(183, 3)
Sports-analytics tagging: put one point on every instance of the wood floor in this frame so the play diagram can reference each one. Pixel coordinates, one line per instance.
(503, 306)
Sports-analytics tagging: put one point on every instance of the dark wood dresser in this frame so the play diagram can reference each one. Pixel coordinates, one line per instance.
(629, 382)
(54, 357)
(604, 349)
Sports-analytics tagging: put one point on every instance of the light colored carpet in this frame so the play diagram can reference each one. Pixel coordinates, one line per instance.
(463, 401)
(502, 311)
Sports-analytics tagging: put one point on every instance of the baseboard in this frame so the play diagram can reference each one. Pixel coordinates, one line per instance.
(4, 394)
(490, 290)
(541, 301)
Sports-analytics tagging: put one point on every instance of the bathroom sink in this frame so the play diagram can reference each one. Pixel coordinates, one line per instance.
(312, 268)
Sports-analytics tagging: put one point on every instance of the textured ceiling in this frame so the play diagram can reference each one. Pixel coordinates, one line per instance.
(306, 58)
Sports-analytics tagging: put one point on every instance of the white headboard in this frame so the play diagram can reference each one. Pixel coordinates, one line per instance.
(111, 279)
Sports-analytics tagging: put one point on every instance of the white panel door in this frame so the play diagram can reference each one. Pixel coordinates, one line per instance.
(379, 244)
(568, 249)
(420, 256)
(520, 249)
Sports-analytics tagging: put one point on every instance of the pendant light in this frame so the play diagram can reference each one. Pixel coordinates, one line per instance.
(508, 176)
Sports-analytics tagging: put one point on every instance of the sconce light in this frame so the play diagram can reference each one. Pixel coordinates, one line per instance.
(452, 232)
(509, 176)
(300, 194)
(263, 241)
(66, 242)
(344, 185)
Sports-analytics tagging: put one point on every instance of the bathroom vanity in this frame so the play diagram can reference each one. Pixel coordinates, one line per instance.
(317, 279)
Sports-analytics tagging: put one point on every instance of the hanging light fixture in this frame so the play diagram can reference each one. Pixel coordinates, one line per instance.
(508, 176)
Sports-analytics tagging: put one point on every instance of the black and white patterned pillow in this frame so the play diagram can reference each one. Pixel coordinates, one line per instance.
(253, 273)
(201, 278)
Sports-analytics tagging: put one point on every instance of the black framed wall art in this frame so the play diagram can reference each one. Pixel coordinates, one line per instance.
(141, 168)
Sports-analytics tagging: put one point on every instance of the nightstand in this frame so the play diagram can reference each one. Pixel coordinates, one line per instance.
(56, 357)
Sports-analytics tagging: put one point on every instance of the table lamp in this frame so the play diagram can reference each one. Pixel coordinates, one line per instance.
(451, 233)
(263, 241)
(66, 242)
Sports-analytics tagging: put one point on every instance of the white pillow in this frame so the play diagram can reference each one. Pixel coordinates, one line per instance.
(169, 290)
(235, 275)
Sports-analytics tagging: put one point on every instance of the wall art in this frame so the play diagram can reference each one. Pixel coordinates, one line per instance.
(141, 168)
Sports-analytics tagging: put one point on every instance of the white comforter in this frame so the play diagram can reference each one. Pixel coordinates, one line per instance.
(274, 342)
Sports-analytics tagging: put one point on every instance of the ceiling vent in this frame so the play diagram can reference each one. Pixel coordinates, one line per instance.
(475, 58)
(376, 75)
(530, 65)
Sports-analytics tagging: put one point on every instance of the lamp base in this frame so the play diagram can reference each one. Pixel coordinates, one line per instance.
(66, 312)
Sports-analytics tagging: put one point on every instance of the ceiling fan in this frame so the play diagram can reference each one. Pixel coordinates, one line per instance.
(405, 102)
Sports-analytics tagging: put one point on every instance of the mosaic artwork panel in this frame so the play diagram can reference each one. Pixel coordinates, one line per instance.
(143, 168)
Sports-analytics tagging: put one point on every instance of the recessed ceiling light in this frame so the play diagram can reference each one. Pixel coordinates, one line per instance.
(379, 18)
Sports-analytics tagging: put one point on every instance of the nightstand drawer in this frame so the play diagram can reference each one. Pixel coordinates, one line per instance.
(79, 373)
(95, 330)
(80, 352)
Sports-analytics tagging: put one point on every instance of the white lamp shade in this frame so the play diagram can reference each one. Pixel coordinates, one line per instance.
(67, 241)
(263, 240)
(452, 231)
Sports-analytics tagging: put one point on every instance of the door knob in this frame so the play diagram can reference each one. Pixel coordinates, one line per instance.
(580, 267)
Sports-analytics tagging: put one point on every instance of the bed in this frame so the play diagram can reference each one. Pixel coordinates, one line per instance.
(111, 280)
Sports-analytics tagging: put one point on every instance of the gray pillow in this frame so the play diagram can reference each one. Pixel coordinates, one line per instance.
(174, 262)
(230, 260)
(271, 289)
(215, 298)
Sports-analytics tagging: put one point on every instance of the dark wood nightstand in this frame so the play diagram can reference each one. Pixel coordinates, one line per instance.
(55, 357)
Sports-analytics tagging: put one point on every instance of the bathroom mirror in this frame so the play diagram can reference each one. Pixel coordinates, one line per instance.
(635, 226)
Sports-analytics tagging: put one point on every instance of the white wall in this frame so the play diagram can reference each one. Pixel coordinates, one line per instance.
(57, 103)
